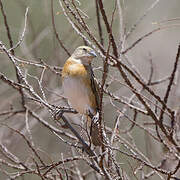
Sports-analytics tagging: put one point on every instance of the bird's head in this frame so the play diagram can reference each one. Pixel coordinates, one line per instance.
(84, 54)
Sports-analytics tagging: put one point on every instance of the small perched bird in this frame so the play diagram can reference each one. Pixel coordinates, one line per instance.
(79, 86)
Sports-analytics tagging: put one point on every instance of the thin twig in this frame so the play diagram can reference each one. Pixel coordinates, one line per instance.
(108, 28)
(55, 31)
(99, 23)
(141, 18)
(170, 86)
(23, 33)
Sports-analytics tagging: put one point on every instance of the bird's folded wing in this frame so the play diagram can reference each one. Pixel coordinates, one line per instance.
(94, 86)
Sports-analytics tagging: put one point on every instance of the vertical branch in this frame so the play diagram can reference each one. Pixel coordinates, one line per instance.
(138, 79)
(12, 51)
(105, 63)
(55, 31)
(7, 27)
(99, 23)
(121, 24)
(104, 77)
(108, 28)
(150, 111)
(170, 86)
(23, 33)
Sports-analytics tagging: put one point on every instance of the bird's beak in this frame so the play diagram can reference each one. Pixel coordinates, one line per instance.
(92, 53)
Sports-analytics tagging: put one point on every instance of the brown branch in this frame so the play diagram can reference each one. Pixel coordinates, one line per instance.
(12, 112)
(134, 156)
(7, 27)
(86, 148)
(28, 143)
(144, 85)
(108, 28)
(50, 127)
(170, 86)
(150, 112)
(55, 31)
(99, 23)
(133, 123)
(18, 76)
(147, 35)
(10, 156)
(141, 18)
(78, 28)
(23, 33)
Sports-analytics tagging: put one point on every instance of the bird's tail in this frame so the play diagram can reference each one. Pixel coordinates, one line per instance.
(95, 130)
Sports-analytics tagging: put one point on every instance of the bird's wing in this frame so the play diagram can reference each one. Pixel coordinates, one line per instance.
(95, 128)
(94, 86)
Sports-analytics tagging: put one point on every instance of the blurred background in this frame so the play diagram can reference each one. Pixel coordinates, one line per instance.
(40, 42)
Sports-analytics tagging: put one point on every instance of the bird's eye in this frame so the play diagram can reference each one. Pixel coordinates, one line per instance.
(84, 49)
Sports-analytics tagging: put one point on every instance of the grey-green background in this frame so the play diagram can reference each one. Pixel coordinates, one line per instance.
(40, 42)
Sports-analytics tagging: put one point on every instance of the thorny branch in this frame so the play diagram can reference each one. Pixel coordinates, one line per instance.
(143, 110)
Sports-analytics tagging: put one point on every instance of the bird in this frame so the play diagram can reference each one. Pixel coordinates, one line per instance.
(80, 88)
